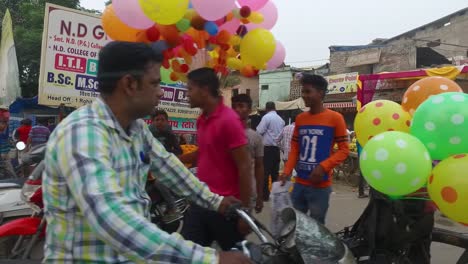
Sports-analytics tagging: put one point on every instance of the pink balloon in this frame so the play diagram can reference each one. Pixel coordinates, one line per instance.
(230, 26)
(278, 57)
(130, 12)
(253, 4)
(270, 16)
(213, 10)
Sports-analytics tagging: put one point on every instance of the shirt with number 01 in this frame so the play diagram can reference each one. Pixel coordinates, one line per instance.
(95, 201)
(312, 145)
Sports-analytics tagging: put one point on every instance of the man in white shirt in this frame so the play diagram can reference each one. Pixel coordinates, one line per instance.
(270, 129)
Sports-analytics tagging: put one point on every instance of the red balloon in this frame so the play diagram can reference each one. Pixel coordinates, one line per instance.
(189, 46)
(170, 34)
(153, 34)
(174, 77)
(223, 37)
(184, 68)
(245, 11)
(166, 64)
(168, 54)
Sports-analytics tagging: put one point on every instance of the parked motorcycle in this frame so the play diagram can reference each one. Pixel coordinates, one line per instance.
(11, 204)
(302, 240)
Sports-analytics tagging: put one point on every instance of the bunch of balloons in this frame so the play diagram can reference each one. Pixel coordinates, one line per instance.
(402, 142)
(234, 33)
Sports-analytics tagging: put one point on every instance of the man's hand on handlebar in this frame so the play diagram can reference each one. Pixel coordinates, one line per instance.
(228, 203)
(228, 257)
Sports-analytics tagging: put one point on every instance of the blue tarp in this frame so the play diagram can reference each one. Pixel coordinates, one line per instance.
(21, 104)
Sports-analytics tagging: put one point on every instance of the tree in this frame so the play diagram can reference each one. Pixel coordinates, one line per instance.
(28, 23)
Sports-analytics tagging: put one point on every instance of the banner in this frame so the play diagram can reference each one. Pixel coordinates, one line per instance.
(342, 83)
(9, 73)
(179, 125)
(70, 46)
(175, 102)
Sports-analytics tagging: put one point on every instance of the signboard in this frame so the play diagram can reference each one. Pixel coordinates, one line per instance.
(342, 83)
(179, 125)
(70, 46)
(175, 102)
(9, 73)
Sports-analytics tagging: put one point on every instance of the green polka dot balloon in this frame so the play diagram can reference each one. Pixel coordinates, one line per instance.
(441, 123)
(395, 163)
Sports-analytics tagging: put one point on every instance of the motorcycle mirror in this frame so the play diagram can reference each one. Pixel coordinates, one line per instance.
(20, 145)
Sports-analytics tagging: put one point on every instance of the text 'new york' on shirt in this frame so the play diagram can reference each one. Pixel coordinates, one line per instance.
(312, 145)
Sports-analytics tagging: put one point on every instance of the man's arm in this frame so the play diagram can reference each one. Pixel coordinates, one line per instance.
(176, 149)
(259, 175)
(341, 138)
(293, 153)
(189, 158)
(88, 170)
(242, 159)
(172, 173)
(280, 139)
(262, 127)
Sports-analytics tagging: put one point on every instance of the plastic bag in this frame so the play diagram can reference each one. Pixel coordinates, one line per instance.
(280, 199)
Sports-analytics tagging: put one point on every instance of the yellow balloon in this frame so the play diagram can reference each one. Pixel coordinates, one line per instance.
(380, 116)
(235, 40)
(164, 12)
(448, 187)
(257, 47)
(234, 63)
(256, 17)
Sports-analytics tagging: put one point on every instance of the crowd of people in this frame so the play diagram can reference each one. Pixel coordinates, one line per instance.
(98, 159)
(31, 135)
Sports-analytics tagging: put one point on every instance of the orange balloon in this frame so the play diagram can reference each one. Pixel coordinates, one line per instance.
(421, 90)
(170, 34)
(199, 37)
(248, 71)
(141, 37)
(116, 29)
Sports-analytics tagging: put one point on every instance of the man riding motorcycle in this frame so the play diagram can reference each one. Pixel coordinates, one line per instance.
(97, 162)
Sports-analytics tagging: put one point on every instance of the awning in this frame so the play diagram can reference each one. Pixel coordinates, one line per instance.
(340, 105)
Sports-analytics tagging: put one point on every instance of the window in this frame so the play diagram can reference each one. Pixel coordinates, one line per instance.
(264, 86)
(247, 91)
(235, 92)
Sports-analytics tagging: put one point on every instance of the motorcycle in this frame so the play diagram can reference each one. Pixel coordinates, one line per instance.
(29, 231)
(302, 240)
(11, 204)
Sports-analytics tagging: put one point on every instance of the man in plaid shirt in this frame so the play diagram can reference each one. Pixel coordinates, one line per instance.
(97, 162)
(284, 140)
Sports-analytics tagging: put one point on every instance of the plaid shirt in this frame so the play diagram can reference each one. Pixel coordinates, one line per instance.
(284, 140)
(96, 205)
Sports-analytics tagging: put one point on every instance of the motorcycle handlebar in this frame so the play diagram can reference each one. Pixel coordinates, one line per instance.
(235, 210)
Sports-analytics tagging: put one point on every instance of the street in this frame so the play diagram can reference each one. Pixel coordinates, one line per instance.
(345, 208)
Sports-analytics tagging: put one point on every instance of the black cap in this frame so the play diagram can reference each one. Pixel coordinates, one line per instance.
(270, 106)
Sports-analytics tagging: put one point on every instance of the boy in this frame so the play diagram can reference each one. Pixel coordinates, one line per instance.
(242, 104)
(311, 152)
